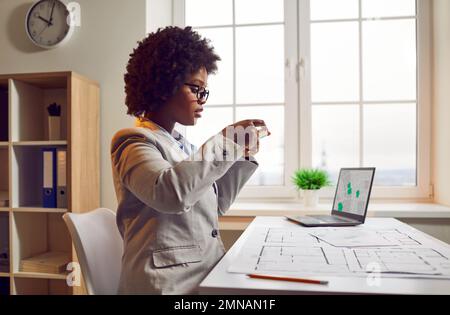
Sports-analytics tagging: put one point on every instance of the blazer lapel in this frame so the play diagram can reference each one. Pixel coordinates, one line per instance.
(176, 152)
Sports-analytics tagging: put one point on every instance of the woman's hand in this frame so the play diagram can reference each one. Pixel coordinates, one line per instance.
(246, 133)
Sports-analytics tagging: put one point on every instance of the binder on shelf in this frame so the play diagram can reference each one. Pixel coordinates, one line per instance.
(49, 176)
(61, 200)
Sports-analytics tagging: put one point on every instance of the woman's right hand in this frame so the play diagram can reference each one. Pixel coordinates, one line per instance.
(245, 133)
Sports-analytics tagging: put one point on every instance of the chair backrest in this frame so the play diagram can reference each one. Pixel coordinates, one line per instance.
(99, 248)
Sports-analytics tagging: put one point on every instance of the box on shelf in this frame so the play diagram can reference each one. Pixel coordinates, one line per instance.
(50, 262)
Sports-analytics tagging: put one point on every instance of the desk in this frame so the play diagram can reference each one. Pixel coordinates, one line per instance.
(219, 281)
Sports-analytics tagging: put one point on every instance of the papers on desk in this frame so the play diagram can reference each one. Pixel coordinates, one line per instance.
(340, 237)
(310, 252)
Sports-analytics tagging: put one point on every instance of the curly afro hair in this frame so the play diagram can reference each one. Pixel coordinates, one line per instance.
(161, 63)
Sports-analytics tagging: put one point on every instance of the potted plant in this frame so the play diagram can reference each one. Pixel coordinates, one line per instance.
(310, 181)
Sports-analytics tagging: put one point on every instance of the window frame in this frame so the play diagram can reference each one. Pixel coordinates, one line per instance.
(298, 139)
(423, 189)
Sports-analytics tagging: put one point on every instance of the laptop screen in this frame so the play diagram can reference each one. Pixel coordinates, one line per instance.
(353, 192)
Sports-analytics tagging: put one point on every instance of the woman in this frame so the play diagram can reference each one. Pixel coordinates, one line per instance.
(170, 194)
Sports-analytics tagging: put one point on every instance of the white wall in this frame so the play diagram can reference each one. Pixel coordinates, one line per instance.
(159, 14)
(99, 49)
(441, 101)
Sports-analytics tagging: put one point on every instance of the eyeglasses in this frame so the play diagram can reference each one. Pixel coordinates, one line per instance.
(201, 93)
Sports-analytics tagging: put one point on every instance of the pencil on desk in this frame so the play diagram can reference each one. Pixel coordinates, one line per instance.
(311, 281)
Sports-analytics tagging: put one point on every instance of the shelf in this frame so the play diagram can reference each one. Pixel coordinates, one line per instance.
(3, 83)
(27, 179)
(390, 209)
(46, 80)
(4, 114)
(40, 286)
(39, 143)
(38, 275)
(32, 230)
(4, 180)
(40, 210)
(35, 233)
(4, 285)
(4, 242)
(28, 105)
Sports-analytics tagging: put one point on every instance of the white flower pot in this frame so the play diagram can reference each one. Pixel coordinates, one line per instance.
(311, 198)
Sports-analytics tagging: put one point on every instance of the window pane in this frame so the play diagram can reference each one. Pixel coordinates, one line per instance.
(260, 64)
(271, 150)
(212, 122)
(334, 9)
(259, 11)
(335, 62)
(390, 143)
(209, 12)
(388, 8)
(221, 84)
(335, 141)
(389, 60)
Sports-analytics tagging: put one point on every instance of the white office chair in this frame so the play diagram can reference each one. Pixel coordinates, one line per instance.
(99, 248)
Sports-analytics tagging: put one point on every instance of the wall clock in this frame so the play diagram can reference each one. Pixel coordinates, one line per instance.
(47, 24)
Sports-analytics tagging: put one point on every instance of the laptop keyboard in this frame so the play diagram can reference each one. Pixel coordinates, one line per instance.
(331, 219)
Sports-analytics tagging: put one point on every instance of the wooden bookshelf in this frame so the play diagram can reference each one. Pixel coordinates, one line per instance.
(30, 228)
(39, 143)
(45, 210)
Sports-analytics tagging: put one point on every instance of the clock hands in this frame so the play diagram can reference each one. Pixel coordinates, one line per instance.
(51, 14)
(46, 21)
(49, 22)
(45, 27)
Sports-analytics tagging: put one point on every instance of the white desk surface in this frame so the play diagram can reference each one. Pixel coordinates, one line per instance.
(219, 281)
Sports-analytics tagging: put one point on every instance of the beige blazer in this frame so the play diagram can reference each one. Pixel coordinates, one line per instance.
(169, 201)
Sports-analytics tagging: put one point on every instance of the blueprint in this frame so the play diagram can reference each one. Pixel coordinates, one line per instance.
(298, 252)
(339, 237)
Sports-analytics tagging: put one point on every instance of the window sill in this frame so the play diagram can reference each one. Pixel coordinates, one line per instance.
(242, 213)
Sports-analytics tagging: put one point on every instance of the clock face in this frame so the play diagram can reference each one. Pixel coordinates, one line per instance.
(46, 23)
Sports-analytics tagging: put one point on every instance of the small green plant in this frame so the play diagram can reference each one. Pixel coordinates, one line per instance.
(311, 179)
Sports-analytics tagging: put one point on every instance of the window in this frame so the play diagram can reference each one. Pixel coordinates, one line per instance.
(340, 83)
(251, 81)
(367, 102)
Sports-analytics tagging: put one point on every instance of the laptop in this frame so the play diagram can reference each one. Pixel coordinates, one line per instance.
(351, 200)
